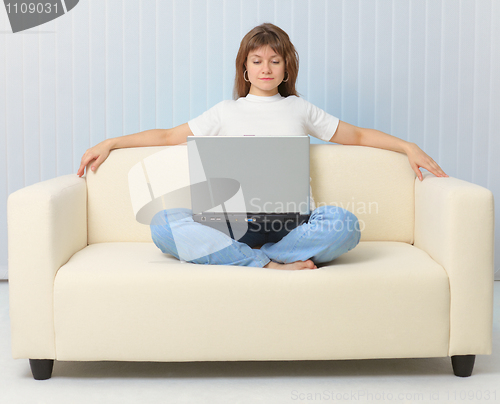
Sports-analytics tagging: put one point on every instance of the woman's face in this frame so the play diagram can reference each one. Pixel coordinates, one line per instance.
(266, 71)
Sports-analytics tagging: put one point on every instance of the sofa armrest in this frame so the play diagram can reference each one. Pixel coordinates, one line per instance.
(47, 224)
(454, 224)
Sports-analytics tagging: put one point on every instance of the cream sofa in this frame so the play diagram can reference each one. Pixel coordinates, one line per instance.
(88, 284)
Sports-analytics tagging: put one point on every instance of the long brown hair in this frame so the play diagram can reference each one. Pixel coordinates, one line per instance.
(278, 40)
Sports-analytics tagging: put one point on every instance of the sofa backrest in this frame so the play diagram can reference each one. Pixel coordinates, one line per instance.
(376, 185)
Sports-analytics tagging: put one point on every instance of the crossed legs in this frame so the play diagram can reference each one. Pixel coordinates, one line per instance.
(330, 232)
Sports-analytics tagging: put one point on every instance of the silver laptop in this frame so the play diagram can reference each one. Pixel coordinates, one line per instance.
(249, 179)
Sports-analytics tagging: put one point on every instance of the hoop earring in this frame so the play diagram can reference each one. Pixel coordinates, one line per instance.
(287, 77)
(244, 76)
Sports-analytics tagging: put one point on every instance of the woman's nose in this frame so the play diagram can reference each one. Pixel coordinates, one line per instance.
(266, 68)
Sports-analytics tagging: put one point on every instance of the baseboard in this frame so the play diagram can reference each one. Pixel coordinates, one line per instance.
(4, 272)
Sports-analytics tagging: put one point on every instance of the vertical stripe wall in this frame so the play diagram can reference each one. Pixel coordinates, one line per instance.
(425, 71)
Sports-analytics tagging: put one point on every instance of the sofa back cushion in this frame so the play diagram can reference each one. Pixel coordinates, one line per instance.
(376, 185)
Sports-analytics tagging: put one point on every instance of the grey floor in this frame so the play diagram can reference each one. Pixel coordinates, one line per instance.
(383, 380)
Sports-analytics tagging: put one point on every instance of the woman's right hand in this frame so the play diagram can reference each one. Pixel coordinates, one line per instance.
(99, 153)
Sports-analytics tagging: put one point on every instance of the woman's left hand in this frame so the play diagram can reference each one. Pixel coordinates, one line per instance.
(418, 158)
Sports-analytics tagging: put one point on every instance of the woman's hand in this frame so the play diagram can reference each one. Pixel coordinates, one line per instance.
(418, 158)
(99, 153)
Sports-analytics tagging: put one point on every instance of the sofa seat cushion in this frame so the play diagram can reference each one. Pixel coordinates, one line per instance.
(129, 301)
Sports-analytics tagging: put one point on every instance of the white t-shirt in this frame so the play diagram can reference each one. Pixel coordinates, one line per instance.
(266, 116)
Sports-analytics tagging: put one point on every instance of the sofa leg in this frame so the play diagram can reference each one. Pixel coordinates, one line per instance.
(463, 365)
(41, 368)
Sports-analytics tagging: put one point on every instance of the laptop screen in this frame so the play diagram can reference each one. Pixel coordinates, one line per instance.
(259, 175)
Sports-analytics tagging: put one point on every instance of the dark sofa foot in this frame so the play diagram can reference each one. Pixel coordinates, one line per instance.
(463, 365)
(41, 368)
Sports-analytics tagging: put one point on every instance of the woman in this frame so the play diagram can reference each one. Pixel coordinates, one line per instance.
(266, 103)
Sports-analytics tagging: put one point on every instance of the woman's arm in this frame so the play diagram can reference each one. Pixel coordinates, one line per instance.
(352, 135)
(152, 137)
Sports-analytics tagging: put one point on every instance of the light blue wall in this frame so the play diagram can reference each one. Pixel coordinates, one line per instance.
(425, 71)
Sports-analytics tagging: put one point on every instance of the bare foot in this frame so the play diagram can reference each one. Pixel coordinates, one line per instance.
(294, 265)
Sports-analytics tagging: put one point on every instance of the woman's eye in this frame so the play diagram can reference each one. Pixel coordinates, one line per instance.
(275, 62)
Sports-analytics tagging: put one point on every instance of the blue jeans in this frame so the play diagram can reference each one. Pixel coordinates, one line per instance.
(330, 232)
